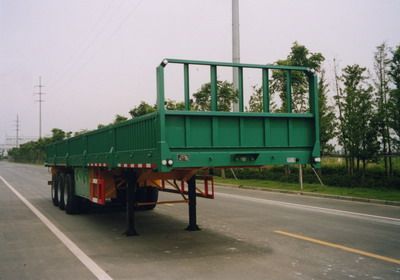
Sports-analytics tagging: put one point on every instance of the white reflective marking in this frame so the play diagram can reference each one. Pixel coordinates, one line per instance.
(382, 219)
(85, 259)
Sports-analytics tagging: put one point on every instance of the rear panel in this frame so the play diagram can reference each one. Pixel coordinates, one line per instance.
(221, 139)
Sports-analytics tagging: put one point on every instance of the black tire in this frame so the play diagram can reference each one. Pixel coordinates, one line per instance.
(54, 190)
(72, 202)
(146, 194)
(84, 205)
(60, 190)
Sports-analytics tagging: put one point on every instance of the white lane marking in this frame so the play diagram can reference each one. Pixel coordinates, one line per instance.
(383, 219)
(85, 259)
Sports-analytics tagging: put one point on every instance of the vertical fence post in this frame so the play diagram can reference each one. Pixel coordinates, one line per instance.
(160, 89)
(214, 88)
(315, 110)
(240, 88)
(265, 90)
(186, 86)
(289, 91)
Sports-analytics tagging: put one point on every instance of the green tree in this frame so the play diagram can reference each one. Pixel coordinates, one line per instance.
(142, 109)
(327, 118)
(394, 99)
(298, 56)
(359, 119)
(174, 105)
(381, 81)
(58, 134)
(119, 118)
(256, 100)
(34, 151)
(226, 95)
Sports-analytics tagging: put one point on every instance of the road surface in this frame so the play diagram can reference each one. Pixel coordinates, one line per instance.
(246, 234)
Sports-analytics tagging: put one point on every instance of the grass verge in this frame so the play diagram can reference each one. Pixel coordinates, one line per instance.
(370, 193)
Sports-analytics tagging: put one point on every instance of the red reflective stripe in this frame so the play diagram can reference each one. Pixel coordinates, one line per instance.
(135, 165)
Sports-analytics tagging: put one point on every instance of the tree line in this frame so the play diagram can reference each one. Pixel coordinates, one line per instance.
(368, 110)
(34, 151)
(364, 115)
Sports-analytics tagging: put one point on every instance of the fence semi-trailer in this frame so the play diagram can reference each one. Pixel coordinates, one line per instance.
(132, 161)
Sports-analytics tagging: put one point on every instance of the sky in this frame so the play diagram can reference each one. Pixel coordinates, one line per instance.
(97, 58)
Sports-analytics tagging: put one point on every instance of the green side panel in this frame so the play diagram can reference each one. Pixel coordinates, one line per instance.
(194, 132)
(50, 153)
(228, 130)
(238, 139)
(302, 133)
(76, 146)
(82, 182)
(252, 134)
(175, 131)
(279, 132)
(137, 136)
(62, 149)
(100, 142)
(137, 141)
(134, 141)
(200, 132)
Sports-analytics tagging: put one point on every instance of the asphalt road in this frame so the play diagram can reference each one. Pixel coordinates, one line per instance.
(245, 234)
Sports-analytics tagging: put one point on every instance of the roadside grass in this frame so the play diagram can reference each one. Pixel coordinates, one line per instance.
(370, 193)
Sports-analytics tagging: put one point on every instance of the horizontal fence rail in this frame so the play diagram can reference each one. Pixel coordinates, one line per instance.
(213, 68)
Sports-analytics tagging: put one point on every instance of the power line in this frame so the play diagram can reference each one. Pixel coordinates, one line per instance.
(86, 59)
(40, 101)
(18, 139)
(96, 31)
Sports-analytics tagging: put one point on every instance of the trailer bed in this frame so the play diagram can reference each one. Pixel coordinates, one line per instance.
(167, 140)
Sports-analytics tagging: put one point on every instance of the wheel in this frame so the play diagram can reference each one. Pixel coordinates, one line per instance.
(147, 194)
(60, 191)
(84, 205)
(54, 190)
(72, 202)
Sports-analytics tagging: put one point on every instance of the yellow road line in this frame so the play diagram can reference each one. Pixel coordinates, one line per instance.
(340, 247)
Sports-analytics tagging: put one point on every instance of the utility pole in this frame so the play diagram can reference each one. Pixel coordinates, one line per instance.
(235, 47)
(235, 57)
(40, 101)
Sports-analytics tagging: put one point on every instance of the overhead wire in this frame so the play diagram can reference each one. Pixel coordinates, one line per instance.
(113, 33)
(93, 34)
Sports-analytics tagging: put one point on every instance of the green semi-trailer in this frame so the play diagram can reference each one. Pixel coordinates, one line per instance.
(131, 161)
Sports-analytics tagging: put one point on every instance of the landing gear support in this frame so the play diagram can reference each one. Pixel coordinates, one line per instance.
(192, 205)
(131, 178)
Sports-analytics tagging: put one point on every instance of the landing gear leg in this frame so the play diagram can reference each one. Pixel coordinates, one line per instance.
(192, 205)
(131, 178)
